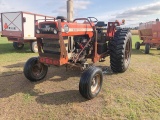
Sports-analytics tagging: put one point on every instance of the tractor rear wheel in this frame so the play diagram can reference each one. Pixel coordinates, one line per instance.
(34, 47)
(147, 48)
(34, 70)
(120, 50)
(91, 82)
(137, 45)
(18, 45)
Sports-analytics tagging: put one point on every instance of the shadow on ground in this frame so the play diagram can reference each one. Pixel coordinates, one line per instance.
(141, 52)
(59, 98)
(14, 82)
(20, 64)
(69, 96)
(137, 52)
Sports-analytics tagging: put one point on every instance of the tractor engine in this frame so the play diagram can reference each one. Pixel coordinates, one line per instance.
(65, 42)
(80, 49)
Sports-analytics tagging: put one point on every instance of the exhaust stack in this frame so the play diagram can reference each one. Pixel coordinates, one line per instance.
(70, 10)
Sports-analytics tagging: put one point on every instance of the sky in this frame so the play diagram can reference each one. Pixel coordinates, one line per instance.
(133, 11)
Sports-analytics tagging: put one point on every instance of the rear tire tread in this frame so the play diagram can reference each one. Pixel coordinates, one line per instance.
(117, 50)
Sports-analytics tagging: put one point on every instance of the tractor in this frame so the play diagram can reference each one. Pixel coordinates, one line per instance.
(63, 43)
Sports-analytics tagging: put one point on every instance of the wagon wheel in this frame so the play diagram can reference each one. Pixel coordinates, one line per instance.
(91, 82)
(34, 47)
(158, 48)
(147, 48)
(120, 50)
(34, 70)
(137, 45)
(18, 45)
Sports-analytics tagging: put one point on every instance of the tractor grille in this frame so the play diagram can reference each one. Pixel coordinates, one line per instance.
(47, 28)
(52, 46)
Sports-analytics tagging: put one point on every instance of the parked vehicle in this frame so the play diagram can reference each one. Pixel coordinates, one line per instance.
(19, 27)
(149, 33)
(72, 43)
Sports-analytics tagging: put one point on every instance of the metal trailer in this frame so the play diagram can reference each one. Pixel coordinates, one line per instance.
(19, 27)
(149, 33)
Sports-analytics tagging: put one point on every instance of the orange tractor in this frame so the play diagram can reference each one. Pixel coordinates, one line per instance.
(72, 43)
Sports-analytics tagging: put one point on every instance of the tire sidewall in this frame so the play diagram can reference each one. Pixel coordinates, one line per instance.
(137, 45)
(118, 51)
(127, 39)
(147, 48)
(28, 69)
(97, 71)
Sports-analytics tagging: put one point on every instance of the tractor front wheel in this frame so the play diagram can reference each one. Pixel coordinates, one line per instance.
(34, 70)
(120, 50)
(18, 45)
(91, 82)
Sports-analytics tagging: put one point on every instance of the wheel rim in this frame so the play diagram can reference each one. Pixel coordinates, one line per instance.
(95, 84)
(37, 69)
(127, 51)
(19, 45)
(35, 47)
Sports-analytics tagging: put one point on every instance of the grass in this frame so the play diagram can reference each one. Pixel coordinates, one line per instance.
(136, 95)
(9, 54)
(133, 95)
(27, 97)
(134, 32)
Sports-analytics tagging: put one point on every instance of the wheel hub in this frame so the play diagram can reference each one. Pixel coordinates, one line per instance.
(36, 47)
(95, 85)
(37, 69)
(127, 51)
(20, 45)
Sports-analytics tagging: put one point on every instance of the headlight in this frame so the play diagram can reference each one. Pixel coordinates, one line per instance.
(111, 24)
(38, 31)
(55, 31)
(116, 24)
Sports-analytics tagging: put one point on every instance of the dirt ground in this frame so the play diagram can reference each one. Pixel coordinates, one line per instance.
(133, 95)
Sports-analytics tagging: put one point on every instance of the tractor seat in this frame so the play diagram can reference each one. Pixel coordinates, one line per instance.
(62, 18)
(100, 24)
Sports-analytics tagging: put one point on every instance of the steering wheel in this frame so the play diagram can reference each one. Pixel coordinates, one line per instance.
(91, 19)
